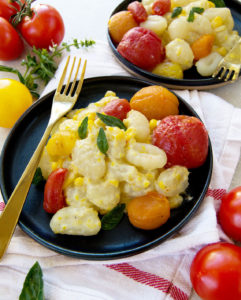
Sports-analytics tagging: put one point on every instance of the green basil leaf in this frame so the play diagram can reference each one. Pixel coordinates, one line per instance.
(218, 3)
(38, 177)
(111, 121)
(82, 130)
(176, 11)
(113, 217)
(33, 284)
(102, 142)
(197, 10)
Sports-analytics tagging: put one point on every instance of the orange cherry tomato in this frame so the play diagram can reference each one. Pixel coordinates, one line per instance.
(202, 46)
(149, 211)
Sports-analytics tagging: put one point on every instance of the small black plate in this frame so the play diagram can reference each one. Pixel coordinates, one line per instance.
(122, 241)
(192, 79)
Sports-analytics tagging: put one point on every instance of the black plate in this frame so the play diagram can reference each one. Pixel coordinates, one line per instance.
(192, 79)
(122, 241)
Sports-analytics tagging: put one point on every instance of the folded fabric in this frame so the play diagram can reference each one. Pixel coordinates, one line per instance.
(159, 273)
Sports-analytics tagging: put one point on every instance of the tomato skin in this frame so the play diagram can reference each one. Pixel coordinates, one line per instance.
(11, 46)
(7, 9)
(138, 11)
(53, 191)
(230, 214)
(44, 28)
(117, 108)
(161, 7)
(184, 139)
(216, 272)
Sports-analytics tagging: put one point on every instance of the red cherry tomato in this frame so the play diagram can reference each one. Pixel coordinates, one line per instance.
(161, 7)
(216, 272)
(44, 28)
(53, 191)
(138, 11)
(142, 47)
(184, 139)
(230, 214)
(8, 9)
(117, 108)
(11, 45)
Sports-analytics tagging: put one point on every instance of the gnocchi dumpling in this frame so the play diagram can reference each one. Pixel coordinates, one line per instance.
(179, 28)
(208, 64)
(220, 12)
(180, 52)
(157, 24)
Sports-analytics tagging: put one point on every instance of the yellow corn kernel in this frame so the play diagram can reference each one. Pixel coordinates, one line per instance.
(168, 69)
(61, 144)
(211, 4)
(129, 133)
(222, 51)
(216, 22)
(54, 165)
(114, 182)
(110, 93)
(146, 184)
(153, 124)
(79, 181)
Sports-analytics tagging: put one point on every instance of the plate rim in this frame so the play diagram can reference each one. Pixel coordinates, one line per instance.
(113, 254)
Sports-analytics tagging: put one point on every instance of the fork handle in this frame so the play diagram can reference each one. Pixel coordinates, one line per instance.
(11, 212)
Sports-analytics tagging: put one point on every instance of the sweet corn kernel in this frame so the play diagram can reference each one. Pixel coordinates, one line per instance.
(114, 182)
(78, 181)
(222, 51)
(153, 124)
(129, 133)
(216, 22)
(110, 93)
(211, 4)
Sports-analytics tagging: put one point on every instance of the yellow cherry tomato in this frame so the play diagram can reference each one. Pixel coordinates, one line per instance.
(15, 98)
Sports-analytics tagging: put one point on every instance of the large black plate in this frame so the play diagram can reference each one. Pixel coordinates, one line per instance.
(122, 241)
(192, 80)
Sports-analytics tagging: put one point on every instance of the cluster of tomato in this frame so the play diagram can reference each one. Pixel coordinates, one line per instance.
(41, 26)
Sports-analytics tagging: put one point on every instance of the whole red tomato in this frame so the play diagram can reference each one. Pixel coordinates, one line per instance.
(161, 7)
(216, 272)
(8, 9)
(117, 108)
(53, 191)
(138, 11)
(44, 28)
(184, 139)
(11, 45)
(230, 214)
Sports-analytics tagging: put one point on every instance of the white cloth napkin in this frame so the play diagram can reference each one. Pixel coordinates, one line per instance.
(159, 273)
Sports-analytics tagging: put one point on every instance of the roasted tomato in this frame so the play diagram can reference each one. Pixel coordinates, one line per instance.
(142, 47)
(184, 139)
(161, 7)
(53, 191)
(117, 108)
(138, 11)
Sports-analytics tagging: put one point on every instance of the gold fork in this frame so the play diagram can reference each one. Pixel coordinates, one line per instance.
(229, 66)
(63, 102)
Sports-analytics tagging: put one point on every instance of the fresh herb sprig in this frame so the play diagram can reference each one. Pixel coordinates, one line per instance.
(111, 121)
(41, 64)
(102, 142)
(198, 10)
(82, 130)
(113, 217)
(176, 12)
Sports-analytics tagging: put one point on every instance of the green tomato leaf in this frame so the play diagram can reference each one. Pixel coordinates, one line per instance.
(102, 142)
(38, 177)
(176, 12)
(82, 130)
(111, 121)
(197, 10)
(33, 284)
(218, 3)
(113, 217)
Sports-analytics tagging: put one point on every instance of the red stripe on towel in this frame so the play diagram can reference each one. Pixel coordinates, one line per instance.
(149, 279)
(217, 194)
(2, 205)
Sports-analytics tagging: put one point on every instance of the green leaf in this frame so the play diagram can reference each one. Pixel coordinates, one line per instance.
(113, 217)
(197, 10)
(102, 142)
(33, 284)
(111, 121)
(176, 11)
(12, 70)
(38, 177)
(218, 3)
(82, 130)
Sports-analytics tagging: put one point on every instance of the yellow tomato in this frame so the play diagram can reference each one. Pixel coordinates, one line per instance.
(15, 98)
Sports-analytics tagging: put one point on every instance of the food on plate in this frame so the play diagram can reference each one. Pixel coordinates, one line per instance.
(184, 140)
(15, 98)
(216, 272)
(11, 46)
(230, 213)
(142, 47)
(192, 33)
(120, 23)
(149, 211)
(100, 163)
(155, 102)
(138, 11)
